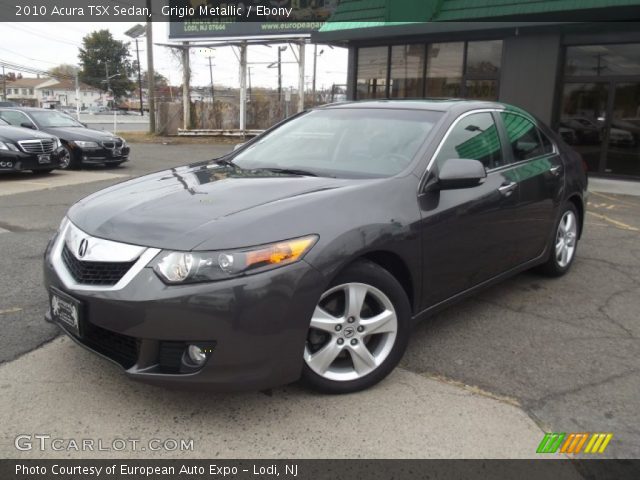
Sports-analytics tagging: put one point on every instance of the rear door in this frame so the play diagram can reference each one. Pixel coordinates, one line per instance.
(538, 169)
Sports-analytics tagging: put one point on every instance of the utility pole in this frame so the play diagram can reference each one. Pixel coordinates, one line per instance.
(139, 77)
(280, 50)
(243, 87)
(186, 94)
(151, 73)
(249, 95)
(77, 97)
(315, 69)
(211, 76)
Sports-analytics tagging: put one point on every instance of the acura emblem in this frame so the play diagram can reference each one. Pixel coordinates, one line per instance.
(82, 249)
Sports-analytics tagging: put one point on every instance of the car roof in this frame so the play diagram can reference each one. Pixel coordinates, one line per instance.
(433, 104)
(27, 109)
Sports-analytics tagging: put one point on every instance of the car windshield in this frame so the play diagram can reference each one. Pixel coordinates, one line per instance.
(47, 119)
(342, 142)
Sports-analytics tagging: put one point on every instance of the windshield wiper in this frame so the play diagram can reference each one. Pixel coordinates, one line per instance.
(291, 171)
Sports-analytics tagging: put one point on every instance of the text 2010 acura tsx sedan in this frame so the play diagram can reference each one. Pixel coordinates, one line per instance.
(309, 251)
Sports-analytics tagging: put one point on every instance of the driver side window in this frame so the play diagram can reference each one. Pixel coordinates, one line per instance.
(475, 137)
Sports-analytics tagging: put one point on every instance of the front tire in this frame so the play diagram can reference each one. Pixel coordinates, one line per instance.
(564, 244)
(67, 160)
(359, 330)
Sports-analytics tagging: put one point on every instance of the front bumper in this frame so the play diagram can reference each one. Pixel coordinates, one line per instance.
(101, 155)
(11, 161)
(256, 325)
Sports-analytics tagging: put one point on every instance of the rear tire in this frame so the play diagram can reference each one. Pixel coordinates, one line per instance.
(564, 244)
(358, 332)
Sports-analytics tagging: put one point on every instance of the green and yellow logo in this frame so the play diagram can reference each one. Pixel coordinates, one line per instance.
(574, 442)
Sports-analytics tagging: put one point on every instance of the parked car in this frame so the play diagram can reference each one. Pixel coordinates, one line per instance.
(8, 104)
(82, 146)
(310, 251)
(21, 149)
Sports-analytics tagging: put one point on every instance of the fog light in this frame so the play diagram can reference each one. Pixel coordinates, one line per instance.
(196, 355)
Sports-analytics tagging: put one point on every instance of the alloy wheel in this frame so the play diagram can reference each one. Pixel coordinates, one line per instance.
(352, 332)
(566, 238)
(65, 159)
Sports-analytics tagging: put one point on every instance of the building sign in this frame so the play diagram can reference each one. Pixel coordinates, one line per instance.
(247, 18)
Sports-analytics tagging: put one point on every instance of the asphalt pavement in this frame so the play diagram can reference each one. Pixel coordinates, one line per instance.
(482, 379)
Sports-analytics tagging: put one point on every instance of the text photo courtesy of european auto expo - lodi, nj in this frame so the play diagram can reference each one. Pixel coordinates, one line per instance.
(320, 239)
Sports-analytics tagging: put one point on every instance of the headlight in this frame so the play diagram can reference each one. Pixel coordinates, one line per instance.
(124, 142)
(8, 146)
(190, 267)
(82, 144)
(57, 142)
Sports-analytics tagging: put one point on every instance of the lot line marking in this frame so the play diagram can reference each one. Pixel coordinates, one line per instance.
(613, 199)
(617, 223)
(10, 310)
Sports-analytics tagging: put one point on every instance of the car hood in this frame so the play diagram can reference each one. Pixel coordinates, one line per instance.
(182, 208)
(15, 134)
(79, 133)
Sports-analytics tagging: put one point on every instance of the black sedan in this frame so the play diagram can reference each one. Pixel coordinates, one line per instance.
(310, 251)
(22, 149)
(82, 146)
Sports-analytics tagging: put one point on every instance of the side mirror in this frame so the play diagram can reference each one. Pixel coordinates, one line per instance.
(461, 173)
(237, 146)
(28, 125)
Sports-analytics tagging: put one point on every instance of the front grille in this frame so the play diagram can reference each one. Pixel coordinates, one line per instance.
(121, 348)
(112, 144)
(94, 273)
(37, 146)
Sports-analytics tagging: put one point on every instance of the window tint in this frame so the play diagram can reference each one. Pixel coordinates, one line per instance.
(14, 118)
(524, 137)
(474, 137)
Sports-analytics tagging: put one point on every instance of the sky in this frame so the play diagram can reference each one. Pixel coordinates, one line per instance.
(45, 45)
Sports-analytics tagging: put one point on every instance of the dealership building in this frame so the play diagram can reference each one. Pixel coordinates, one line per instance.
(578, 69)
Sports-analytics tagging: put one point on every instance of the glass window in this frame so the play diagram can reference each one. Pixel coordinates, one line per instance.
(601, 60)
(482, 90)
(14, 118)
(523, 137)
(343, 142)
(474, 137)
(372, 72)
(407, 70)
(484, 58)
(444, 69)
(52, 118)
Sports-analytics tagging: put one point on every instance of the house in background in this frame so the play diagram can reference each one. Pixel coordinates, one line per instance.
(51, 93)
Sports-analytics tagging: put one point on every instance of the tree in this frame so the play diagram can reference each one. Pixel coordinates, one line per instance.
(160, 80)
(64, 70)
(102, 56)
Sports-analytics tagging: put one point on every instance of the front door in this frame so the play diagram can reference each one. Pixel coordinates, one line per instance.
(466, 233)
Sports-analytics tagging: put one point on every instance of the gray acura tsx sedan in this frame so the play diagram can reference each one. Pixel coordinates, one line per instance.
(309, 252)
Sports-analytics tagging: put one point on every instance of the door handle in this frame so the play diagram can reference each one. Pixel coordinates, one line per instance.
(556, 170)
(508, 188)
